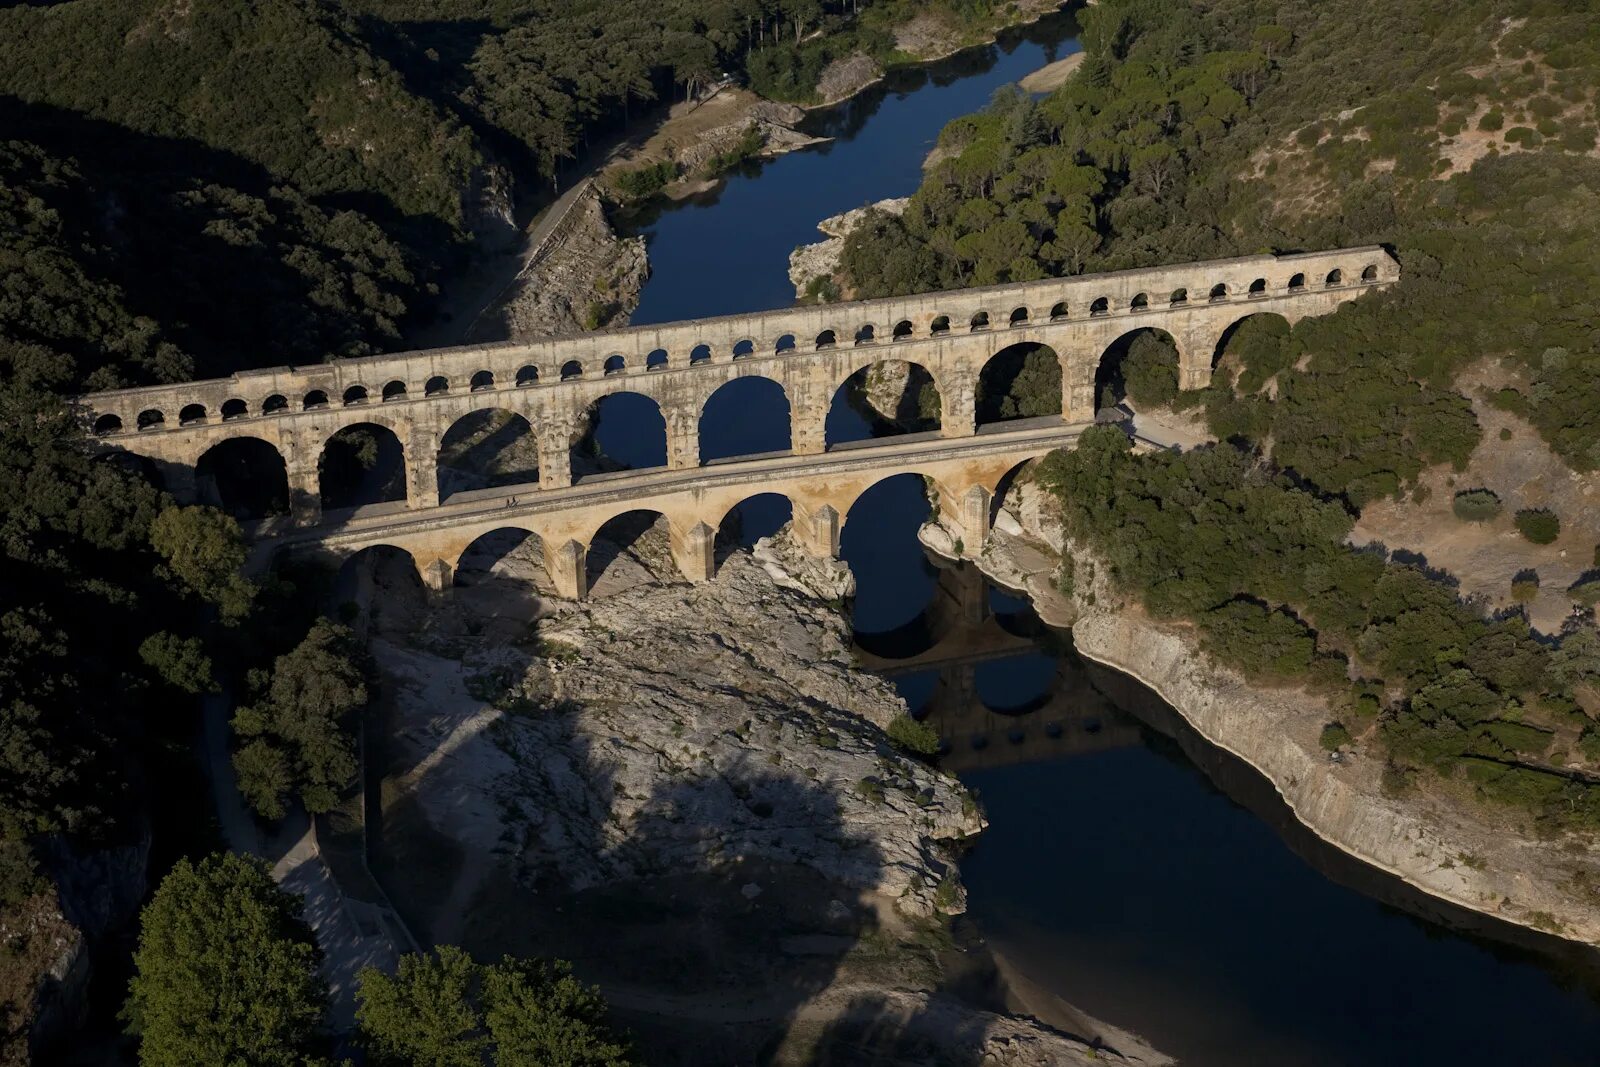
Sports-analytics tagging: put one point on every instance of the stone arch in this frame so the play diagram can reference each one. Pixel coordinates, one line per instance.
(700, 353)
(394, 571)
(516, 553)
(622, 430)
(1297, 282)
(1019, 316)
(191, 414)
(489, 448)
(615, 365)
(275, 403)
(1058, 311)
(362, 464)
(1142, 365)
(244, 476)
(571, 370)
(1369, 273)
(151, 419)
(744, 348)
(356, 394)
(481, 381)
(234, 408)
(656, 360)
(756, 516)
(1004, 484)
(1100, 308)
(827, 339)
(395, 390)
(895, 583)
(107, 424)
(1258, 289)
(885, 398)
(526, 375)
(314, 400)
(438, 385)
(866, 335)
(902, 330)
(1140, 302)
(1020, 381)
(786, 343)
(1179, 298)
(940, 325)
(1334, 279)
(636, 538)
(1227, 335)
(1219, 293)
(979, 321)
(747, 416)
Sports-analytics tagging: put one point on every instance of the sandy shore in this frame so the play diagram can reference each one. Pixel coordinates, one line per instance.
(1053, 75)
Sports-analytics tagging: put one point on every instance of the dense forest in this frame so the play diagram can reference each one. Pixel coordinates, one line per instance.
(1462, 136)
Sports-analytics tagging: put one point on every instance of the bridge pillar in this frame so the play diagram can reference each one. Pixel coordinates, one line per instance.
(808, 429)
(437, 576)
(695, 552)
(568, 567)
(958, 406)
(818, 531)
(305, 491)
(555, 456)
(1077, 386)
(974, 519)
(683, 441)
(422, 472)
(1197, 347)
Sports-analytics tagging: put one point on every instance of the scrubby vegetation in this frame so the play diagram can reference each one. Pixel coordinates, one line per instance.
(1262, 568)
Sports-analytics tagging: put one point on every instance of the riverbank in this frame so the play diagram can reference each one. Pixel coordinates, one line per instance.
(1472, 858)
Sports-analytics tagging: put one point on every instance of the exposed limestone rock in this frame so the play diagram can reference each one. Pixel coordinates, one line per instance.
(680, 727)
(488, 205)
(844, 78)
(822, 259)
(774, 121)
(588, 278)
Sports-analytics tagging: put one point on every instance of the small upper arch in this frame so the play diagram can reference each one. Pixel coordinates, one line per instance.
(1297, 282)
(1219, 293)
(1019, 316)
(314, 400)
(1370, 273)
(356, 394)
(151, 419)
(1100, 307)
(192, 413)
(571, 370)
(786, 343)
(108, 424)
(744, 348)
(980, 320)
(526, 376)
(902, 330)
(275, 403)
(941, 324)
(656, 360)
(1334, 279)
(1140, 302)
(1058, 311)
(482, 380)
(614, 365)
(827, 339)
(234, 409)
(1179, 298)
(1258, 288)
(395, 390)
(867, 334)
(700, 353)
(438, 385)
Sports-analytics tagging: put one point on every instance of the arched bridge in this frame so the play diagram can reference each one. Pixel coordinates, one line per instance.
(808, 352)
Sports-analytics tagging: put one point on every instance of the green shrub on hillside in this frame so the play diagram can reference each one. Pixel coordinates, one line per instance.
(1539, 525)
(1476, 505)
(915, 737)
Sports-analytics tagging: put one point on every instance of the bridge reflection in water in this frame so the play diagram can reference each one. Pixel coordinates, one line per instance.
(999, 686)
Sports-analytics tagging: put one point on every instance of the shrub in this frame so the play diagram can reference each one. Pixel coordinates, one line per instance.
(1525, 586)
(913, 736)
(1334, 737)
(1476, 505)
(1493, 120)
(1539, 525)
(1586, 590)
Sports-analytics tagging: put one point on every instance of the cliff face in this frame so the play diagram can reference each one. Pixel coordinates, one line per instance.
(1471, 856)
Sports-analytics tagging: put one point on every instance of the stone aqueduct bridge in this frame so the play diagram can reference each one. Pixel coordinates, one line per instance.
(810, 351)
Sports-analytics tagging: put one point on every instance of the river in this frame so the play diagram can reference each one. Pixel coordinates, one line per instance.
(1154, 883)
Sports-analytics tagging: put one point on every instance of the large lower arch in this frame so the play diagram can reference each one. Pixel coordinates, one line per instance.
(748, 521)
(1021, 381)
(507, 560)
(487, 449)
(747, 416)
(884, 399)
(244, 476)
(362, 464)
(622, 431)
(1007, 491)
(1141, 367)
(895, 582)
(383, 583)
(628, 548)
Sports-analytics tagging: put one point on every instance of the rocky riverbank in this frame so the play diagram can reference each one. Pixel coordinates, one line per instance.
(812, 263)
(689, 790)
(1427, 839)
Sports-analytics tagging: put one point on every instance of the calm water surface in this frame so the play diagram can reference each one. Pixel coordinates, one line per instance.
(1116, 871)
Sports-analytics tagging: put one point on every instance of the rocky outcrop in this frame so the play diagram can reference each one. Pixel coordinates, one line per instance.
(774, 122)
(586, 278)
(847, 76)
(822, 259)
(488, 204)
(1426, 838)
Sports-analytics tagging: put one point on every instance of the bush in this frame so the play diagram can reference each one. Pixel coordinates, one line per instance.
(1493, 120)
(1525, 586)
(1476, 505)
(1539, 525)
(1586, 590)
(915, 737)
(1334, 737)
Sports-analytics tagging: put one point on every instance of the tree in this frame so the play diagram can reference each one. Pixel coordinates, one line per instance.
(1539, 525)
(296, 734)
(180, 661)
(204, 549)
(444, 1010)
(225, 972)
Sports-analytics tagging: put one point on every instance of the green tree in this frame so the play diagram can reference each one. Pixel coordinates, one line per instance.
(297, 735)
(225, 972)
(1539, 525)
(180, 661)
(204, 549)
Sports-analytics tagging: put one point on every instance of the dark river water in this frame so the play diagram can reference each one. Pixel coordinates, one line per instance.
(1155, 883)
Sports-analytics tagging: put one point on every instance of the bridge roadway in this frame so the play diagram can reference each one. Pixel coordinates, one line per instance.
(966, 475)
